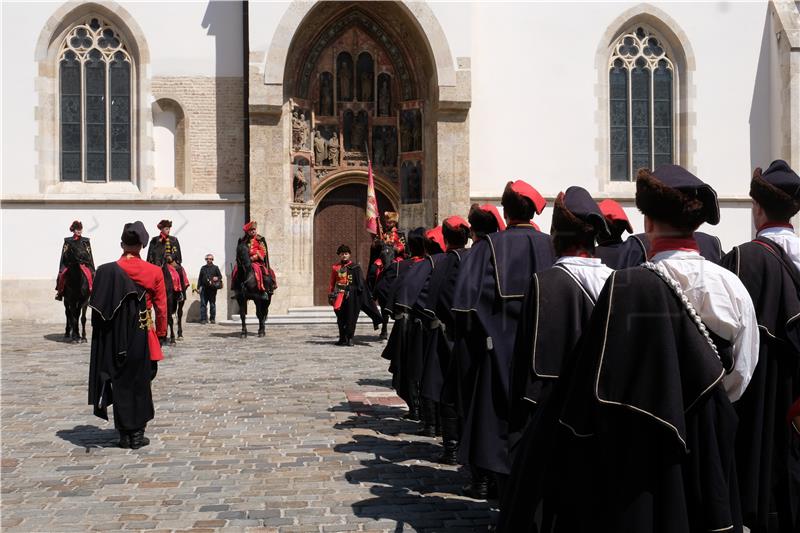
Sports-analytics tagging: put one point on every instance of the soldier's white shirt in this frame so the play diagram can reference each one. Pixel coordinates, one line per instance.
(725, 307)
(589, 271)
(786, 239)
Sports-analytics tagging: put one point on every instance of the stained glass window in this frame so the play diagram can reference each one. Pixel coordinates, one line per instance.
(640, 80)
(95, 101)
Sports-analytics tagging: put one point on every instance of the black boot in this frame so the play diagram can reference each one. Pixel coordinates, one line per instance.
(450, 454)
(138, 440)
(451, 433)
(412, 414)
(349, 341)
(478, 488)
(428, 417)
(341, 341)
(124, 439)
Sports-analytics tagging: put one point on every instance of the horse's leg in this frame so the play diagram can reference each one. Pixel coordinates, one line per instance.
(83, 321)
(242, 313)
(180, 321)
(75, 312)
(170, 323)
(261, 313)
(67, 316)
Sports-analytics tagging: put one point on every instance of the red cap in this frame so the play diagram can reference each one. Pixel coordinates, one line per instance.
(613, 212)
(435, 234)
(523, 188)
(250, 225)
(501, 224)
(455, 222)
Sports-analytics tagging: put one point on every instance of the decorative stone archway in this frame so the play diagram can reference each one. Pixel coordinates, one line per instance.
(398, 43)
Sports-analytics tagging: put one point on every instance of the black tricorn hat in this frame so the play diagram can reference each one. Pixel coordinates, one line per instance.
(164, 224)
(76, 224)
(777, 190)
(134, 233)
(575, 213)
(673, 195)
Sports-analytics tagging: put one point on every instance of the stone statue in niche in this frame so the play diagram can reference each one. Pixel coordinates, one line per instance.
(320, 148)
(325, 94)
(299, 184)
(411, 130)
(345, 73)
(384, 97)
(390, 146)
(366, 86)
(411, 182)
(378, 150)
(333, 150)
(358, 135)
(300, 131)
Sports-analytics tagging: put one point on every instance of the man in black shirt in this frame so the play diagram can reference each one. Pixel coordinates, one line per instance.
(209, 281)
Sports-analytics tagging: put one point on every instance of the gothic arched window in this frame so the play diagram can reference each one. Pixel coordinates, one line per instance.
(641, 104)
(95, 77)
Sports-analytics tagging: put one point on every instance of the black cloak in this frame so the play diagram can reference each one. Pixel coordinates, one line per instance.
(492, 282)
(648, 431)
(120, 369)
(555, 311)
(356, 300)
(767, 457)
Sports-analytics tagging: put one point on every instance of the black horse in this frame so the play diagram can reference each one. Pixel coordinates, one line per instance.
(76, 291)
(245, 287)
(176, 297)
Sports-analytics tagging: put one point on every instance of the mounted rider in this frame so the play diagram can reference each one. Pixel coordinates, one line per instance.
(165, 249)
(394, 236)
(86, 260)
(252, 250)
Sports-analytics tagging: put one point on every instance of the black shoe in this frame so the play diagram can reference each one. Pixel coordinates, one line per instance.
(124, 439)
(212, 321)
(450, 454)
(59, 297)
(412, 414)
(350, 341)
(427, 431)
(204, 321)
(383, 336)
(138, 440)
(477, 489)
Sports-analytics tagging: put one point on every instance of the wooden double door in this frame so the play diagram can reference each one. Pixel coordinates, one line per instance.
(339, 219)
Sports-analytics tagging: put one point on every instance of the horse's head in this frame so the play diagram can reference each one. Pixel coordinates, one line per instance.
(387, 253)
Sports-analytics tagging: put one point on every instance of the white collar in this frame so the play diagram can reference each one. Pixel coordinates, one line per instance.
(777, 231)
(677, 255)
(582, 261)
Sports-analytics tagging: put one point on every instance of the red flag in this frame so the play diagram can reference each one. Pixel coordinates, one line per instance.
(372, 204)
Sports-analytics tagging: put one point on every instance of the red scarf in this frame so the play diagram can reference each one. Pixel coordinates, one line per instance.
(257, 249)
(664, 244)
(164, 237)
(774, 225)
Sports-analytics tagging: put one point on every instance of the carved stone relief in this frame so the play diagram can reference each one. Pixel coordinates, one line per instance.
(411, 182)
(301, 180)
(301, 129)
(411, 130)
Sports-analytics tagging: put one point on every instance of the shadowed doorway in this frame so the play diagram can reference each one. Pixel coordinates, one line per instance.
(339, 219)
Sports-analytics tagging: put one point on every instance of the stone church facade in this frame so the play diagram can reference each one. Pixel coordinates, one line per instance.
(212, 112)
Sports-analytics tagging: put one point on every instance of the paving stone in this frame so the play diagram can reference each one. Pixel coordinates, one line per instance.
(285, 433)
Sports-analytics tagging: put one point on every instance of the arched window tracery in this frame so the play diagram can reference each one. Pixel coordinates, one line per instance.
(641, 80)
(95, 86)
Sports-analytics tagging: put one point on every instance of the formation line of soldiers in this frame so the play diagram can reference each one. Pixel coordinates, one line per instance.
(595, 384)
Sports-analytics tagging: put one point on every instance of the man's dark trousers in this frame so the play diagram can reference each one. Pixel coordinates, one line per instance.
(208, 296)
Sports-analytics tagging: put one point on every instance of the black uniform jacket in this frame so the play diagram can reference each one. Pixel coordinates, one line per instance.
(120, 369)
(492, 282)
(84, 255)
(768, 457)
(648, 431)
(157, 250)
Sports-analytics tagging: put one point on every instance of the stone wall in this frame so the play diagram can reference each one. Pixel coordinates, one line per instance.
(214, 127)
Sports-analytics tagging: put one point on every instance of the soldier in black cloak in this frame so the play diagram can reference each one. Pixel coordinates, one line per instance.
(84, 254)
(163, 245)
(768, 458)
(125, 338)
(348, 295)
(435, 304)
(557, 307)
(392, 283)
(611, 249)
(491, 284)
(648, 425)
(409, 364)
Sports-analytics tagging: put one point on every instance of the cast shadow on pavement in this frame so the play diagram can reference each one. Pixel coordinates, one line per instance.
(90, 436)
(358, 340)
(420, 496)
(384, 419)
(58, 337)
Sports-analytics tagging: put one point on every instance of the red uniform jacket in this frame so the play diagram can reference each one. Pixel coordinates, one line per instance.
(150, 278)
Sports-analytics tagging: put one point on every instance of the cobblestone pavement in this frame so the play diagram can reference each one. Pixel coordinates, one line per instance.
(286, 433)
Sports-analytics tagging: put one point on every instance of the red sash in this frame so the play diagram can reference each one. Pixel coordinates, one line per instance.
(62, 278)
(176, 278)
